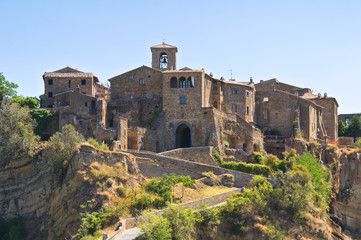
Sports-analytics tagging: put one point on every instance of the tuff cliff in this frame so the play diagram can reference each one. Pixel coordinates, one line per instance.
(51, 206)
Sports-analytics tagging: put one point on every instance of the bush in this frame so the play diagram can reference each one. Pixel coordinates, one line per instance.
(42, 117)
(60, 148)
(94, 142)
(95, 220)
(121, 191)
(13, 229)
(357, 144)
(182, 223)
(141, 202)
(17, 138)
(208, 217)
(248, 168)
(155, 227)
(272, 161)
(30, 102)
(258, 158)
(319, 178)
(217, 157)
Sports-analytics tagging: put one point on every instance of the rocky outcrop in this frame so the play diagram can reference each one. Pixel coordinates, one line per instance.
(51, 207)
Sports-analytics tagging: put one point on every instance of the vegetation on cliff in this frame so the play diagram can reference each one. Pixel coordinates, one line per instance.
(294, 200)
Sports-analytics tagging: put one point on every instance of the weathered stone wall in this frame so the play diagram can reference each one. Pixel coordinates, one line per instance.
(61, 84)
(241, 94)
(194, 154)
(277, 110)
(155, 165)
(329, 116)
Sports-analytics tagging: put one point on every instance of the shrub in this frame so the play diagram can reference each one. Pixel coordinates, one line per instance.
(121, 191)
(95, 220)
(319, 177)
(357, 144)
(12, 229)
(42, 117)
(17, 138)
(208, 217)
(155, 118)
(248, 168)
(155, 227)
(94, 142)
(272, 161)
(258, 158)
(61, 148)
(181, 221)
(141, 202)
(217, 157)
(226, 143)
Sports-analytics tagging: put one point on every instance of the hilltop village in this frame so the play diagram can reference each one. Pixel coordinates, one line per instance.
(160, 108)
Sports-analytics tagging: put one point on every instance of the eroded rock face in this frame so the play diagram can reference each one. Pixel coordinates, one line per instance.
(348, 203)
(50, 207)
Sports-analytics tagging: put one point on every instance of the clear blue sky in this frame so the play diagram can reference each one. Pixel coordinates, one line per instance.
(308, 43)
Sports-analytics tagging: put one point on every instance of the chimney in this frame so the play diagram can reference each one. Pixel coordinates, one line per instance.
(325, 95)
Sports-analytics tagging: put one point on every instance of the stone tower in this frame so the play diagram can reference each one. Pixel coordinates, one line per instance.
(164, 57)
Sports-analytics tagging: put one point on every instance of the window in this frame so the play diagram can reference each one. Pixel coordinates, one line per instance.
(85, 104)
(265, 99)
(190, 82)
(234, 91)
(69, 83)
(50, 106)
(50, 81)
(182, 82)
(50, 94)
(145, 95)
(247, 93)
(173, 82)
(234, 107)
(214, 85)
(141, 81)
(131, 96)
(182, 100)
(163, 61)
(247, 110)
(130, 77)
(83, 82)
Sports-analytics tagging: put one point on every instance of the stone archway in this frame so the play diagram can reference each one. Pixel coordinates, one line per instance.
(183, 136)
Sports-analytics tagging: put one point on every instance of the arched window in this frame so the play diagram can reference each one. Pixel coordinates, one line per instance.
(182, 82)
(163, 61)
(173, 82)
(190, 82)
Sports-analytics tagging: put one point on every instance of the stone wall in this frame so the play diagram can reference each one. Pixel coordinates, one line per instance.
(194, 154)
(278, 110)
(329, 116)
(155, 165)
(243, 96)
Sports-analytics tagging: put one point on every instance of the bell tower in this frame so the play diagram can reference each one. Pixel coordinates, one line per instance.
(164, 57)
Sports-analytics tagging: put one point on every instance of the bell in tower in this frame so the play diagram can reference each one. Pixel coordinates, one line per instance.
(164, 57)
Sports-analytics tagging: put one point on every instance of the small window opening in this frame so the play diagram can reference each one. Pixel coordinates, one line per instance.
(182, 100)
(190, 82)
(163, 61)
(130, 77)
(69, 84)
(234, 91)
(83, 82)
(141, 81)
(50, 81)
(173, 82)
(50, 94)
(234, 107)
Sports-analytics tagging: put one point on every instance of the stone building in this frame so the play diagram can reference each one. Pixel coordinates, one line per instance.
(161, 107)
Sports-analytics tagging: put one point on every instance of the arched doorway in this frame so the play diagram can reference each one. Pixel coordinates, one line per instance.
(183, 136)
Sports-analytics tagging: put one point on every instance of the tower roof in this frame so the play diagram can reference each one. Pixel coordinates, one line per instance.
(164, 45)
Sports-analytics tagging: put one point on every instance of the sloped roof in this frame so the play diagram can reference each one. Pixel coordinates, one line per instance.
(164, 45)
(67, 72)
(185, 69)
(156, 70)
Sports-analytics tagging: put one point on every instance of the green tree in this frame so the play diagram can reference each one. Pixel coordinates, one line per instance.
(31, 102)
(354, 128)
(17, 138)
(42, 117)
(155, 227)
(7, 89)
(61, 147)
(342, 129)
(182, 222)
